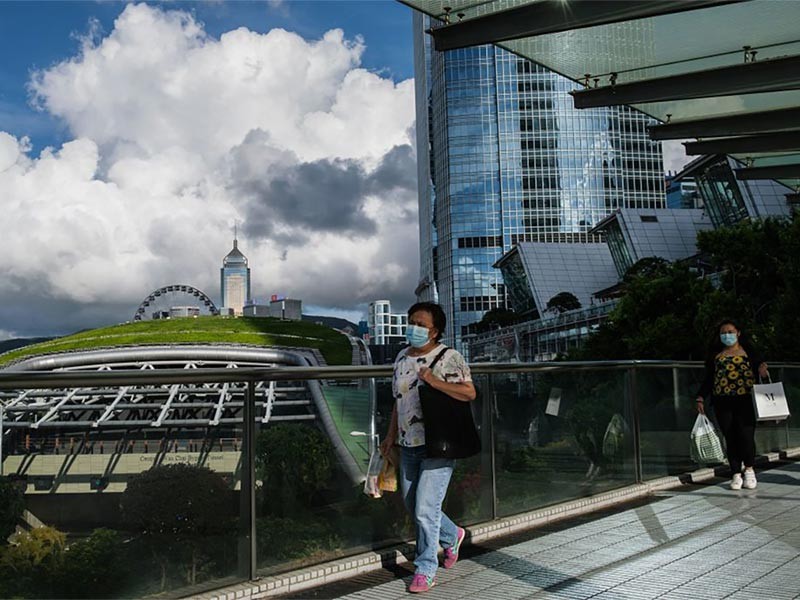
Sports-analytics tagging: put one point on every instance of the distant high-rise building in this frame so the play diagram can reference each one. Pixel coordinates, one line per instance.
(504, 158)
(235, 280)
(385, 327)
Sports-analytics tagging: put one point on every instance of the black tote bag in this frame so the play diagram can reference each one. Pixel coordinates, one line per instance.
(449, 427)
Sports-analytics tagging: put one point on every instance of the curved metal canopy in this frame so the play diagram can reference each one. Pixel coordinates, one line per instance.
(694, 64)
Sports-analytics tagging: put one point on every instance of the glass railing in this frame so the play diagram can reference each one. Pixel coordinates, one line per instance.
(120, 507)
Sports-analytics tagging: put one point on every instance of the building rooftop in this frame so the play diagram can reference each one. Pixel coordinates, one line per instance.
(552, 268)
(234, 258)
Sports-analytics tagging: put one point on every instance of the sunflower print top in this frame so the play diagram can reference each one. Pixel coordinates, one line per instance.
(733, 376)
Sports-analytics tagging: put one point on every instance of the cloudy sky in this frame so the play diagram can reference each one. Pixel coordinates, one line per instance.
(134, 136)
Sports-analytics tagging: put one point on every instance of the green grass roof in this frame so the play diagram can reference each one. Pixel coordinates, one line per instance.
(250, 331)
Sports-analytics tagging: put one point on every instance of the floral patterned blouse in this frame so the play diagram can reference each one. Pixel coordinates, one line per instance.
(733, 376)
(451, 368)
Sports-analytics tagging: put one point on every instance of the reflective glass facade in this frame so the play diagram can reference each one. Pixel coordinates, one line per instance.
(505, 158)
(729, 200)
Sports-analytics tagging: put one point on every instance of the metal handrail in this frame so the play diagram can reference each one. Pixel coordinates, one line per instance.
(49, 379)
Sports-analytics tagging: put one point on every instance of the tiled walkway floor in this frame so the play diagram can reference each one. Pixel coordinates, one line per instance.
(700, 542)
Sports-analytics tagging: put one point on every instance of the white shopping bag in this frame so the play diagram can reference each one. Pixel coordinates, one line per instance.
(769, 401)
(706, 447)
(371, 487)
(553, 402)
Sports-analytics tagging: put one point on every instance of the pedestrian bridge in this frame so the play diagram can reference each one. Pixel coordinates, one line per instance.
(560, 441)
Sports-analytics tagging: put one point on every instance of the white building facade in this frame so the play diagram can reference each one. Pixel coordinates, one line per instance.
(384, 326)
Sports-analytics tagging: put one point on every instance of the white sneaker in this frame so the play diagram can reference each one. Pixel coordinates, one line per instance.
(736, 482)
(750, 482)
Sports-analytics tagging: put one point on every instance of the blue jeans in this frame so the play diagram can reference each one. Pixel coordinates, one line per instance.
(424, 482)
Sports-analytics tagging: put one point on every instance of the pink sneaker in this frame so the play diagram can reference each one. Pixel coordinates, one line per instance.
(421, 583)
(451, 554)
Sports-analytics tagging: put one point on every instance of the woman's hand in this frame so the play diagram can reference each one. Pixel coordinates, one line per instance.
(426, 375)
(387, 444)
(763, 371)
(701, 409)
(464, 391)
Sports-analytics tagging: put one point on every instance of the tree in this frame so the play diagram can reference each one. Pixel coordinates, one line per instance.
(656, 318)
(760, 263)
(563, 301)
(293, 462)
(30, 565)
(497, 317)
(178, 507)
(94, 567)
(668, 311)
(12, 505)
(650, 266)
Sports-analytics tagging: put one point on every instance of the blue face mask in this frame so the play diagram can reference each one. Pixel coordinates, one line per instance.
(417, 336)
(729, 339)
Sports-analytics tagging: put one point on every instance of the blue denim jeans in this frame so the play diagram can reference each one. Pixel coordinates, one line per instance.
(424, 482)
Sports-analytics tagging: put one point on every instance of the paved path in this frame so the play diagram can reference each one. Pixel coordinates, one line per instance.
(700, 542)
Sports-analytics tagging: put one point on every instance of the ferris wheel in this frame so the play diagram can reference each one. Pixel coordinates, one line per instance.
(163, 302)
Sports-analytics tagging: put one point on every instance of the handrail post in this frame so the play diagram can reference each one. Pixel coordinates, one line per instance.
(488, 497)
(493, 461)
(247, 494)
(1, 439)
(633, 395)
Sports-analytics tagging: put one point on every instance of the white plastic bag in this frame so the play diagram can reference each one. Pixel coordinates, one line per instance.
(706, 447)
(614, 437)
(371, 487)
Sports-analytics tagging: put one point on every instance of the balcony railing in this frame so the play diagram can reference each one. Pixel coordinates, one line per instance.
(274, 496)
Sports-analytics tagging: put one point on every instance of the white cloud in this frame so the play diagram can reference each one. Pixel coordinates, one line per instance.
(675, 155)
(177, 136)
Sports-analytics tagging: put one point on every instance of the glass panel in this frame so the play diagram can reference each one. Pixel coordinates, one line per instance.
(469, 497)
(310, 502)
(666, 414)
(560, 436)
(129, 507)
(790, 376)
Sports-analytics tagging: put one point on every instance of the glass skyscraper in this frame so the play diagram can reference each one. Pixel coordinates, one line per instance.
(503, 157)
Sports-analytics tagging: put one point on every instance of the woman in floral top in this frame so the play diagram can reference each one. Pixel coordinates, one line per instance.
(731, 371)
(424, 480)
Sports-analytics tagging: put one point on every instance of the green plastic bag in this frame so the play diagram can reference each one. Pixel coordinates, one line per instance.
(705, 448)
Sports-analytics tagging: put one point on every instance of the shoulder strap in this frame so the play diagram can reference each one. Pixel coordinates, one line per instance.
(438, 356)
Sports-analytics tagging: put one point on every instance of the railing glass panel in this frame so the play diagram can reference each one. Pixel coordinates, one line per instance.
(560, 435)
(149, 502)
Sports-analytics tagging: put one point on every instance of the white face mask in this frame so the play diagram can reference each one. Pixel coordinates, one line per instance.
(417, 336)
(729, 339)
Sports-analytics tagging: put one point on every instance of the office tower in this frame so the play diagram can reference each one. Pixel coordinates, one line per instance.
(235, 280)
(503, 158)
(385, 327)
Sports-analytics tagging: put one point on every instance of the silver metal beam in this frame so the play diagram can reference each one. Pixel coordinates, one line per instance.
(781, 141)
(552, 16)
(269, 402)
(745, 123)
(173, 391)
(54, 409)
(223, 395)
(110, 409)
(777, 74)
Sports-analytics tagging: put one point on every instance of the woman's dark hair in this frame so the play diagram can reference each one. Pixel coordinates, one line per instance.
(715, 345)
(435, 311)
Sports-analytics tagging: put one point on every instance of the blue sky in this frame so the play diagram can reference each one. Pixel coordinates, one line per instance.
(36, 34)
(148, 146)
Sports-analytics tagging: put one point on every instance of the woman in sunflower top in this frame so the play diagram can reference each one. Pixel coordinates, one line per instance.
(731, 370)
